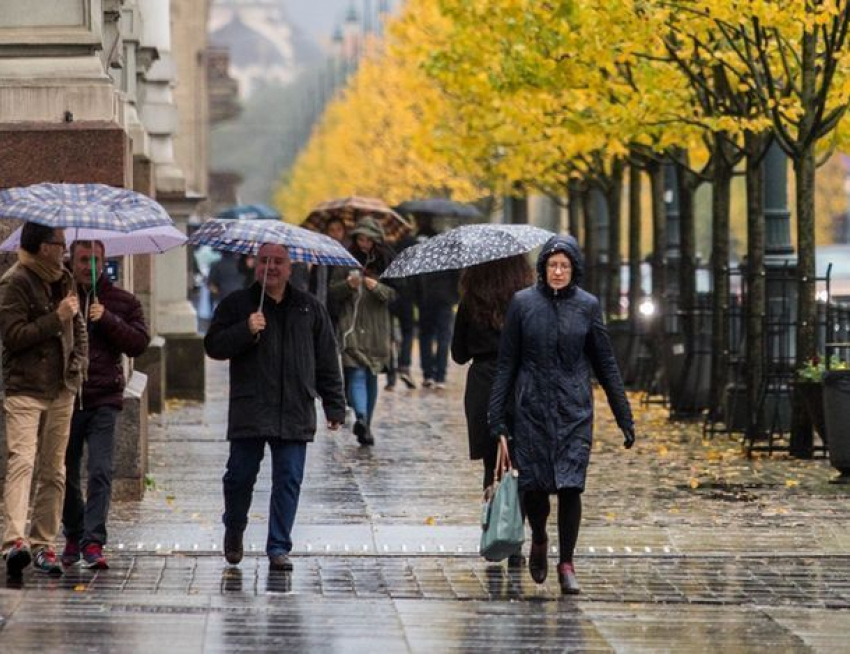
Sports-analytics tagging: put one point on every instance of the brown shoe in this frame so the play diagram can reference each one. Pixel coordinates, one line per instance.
(538, 564)
(233, 546)
(567, 579)
(280, 563)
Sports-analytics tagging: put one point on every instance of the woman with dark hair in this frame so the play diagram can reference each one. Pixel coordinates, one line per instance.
(485, 292)
(553, 338)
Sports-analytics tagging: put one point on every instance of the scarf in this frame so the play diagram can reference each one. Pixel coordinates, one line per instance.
(47, 271)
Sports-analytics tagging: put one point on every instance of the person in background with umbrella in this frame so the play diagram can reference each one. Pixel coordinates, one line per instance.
(44, 363)
(117, 327)
(282, 356)
(553, 337)
(437, 296)
(364, 322)
(226, 275)
(485, 292)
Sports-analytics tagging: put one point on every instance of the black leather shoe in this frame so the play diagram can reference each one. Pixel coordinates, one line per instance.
(280, 563)
(233, 546)
(538, 564)
(567, 579)
(363, 433)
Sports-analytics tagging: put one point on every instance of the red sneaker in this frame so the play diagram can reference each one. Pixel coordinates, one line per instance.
(93, 557)
(71, 553)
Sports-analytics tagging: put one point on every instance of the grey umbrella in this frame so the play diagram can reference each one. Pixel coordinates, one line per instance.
(467, 246)
(438, 207)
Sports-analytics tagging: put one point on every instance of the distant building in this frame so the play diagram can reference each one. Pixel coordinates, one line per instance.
(265, 48)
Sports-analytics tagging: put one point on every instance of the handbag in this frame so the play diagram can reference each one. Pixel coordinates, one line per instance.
(502, 532)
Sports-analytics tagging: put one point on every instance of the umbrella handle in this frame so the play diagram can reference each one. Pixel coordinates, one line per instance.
(93, 276)
(263, 293)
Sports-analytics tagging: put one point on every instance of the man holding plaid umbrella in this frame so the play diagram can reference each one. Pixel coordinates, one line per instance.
(45, 350)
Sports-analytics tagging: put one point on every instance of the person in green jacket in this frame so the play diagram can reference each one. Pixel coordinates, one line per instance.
(364, 322)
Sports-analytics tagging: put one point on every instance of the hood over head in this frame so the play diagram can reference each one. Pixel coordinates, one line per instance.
(369, 226)
(569, 246)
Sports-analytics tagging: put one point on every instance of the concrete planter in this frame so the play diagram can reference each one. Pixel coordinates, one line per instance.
(836, 405)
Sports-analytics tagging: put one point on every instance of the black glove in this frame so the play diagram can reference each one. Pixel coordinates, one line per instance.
(628, 437)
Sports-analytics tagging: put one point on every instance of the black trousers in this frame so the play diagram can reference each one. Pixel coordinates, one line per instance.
(537, 509)
(85, 520)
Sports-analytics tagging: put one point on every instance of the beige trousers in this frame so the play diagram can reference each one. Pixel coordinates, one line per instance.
(24, 442)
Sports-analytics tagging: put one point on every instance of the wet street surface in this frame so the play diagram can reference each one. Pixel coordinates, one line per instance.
(686, 545)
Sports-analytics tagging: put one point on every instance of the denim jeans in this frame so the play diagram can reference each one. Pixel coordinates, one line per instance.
(361, 386)
(85, 521)
(435, 337)
(243, 465)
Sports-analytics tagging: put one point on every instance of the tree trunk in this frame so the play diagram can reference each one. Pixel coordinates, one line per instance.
(635, 291)
(659, 239)
(614, 200)
(589, 282)
(720, 211)
(756, 287)
(804, 173)
(575, 201)
(688, 183)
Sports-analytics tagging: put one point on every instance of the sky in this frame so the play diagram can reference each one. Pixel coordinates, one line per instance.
(319, 17)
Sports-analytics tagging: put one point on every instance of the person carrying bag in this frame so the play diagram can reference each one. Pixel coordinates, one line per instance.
(501, 517)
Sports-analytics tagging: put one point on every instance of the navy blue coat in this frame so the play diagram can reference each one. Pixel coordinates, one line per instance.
(550, 343)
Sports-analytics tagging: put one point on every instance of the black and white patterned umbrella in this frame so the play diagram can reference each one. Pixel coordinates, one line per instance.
(467, 246)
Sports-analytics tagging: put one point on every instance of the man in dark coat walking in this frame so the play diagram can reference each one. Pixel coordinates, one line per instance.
(116, 327)
(283, 356)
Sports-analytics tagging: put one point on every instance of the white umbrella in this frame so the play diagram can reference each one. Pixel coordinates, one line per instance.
(152, 240)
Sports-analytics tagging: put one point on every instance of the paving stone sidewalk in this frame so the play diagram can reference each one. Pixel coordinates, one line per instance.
(686, 545)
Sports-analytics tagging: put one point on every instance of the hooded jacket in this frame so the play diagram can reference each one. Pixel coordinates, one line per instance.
(364, 324)
(551, 342)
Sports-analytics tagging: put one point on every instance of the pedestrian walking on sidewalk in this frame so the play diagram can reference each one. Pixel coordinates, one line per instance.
(282, 357)
(485, 292)
(364, 322)
(116, 327)
(554, 337)
(44, 363)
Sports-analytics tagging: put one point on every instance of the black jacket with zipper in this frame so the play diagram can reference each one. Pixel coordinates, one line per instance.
(276, 376)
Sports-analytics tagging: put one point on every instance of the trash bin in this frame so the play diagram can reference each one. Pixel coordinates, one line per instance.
(836, 409)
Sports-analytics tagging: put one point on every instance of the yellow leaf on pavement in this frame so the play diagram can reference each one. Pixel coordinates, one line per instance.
(694, 482)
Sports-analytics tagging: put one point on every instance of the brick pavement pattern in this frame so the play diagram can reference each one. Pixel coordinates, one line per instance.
(686, 545)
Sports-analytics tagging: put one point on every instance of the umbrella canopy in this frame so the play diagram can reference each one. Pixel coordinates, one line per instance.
(467, 246)
(250, 212)
(90, 206)
(352, 209)
(246, 237)
(152, 240)
(437, 207)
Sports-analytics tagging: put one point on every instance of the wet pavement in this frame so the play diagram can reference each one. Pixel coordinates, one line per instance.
(686, 545)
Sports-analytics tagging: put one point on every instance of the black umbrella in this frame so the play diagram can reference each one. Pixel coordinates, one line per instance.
(440, 207)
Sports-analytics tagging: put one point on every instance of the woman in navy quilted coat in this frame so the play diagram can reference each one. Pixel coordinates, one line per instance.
(553, 338)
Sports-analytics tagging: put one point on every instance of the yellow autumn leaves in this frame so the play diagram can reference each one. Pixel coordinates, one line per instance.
(464, 98)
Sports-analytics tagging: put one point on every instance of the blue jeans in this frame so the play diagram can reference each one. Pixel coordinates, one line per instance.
(435, 337)
(361, 386)
(287, 474)
(85, 521)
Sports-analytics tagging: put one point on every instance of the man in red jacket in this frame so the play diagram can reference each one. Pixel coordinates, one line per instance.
(116, 327)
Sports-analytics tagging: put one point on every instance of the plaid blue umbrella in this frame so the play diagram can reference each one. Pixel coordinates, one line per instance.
(250, 212)
(246, 237)
(90, 206)
(467, 246)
